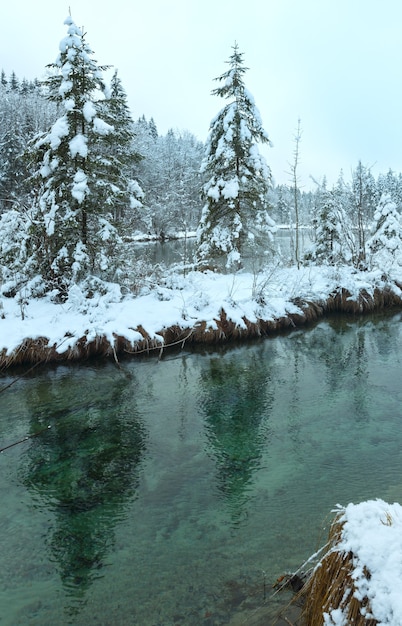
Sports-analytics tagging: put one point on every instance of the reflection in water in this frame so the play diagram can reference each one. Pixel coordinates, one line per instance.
(161, 498)
(84, 469)
(237, 395)
(342, 350)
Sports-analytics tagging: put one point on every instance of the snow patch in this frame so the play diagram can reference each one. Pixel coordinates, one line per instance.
(372, 531)
(59, 130)
(79, 146)
(89, 111)
(101, 127)
(80, 186)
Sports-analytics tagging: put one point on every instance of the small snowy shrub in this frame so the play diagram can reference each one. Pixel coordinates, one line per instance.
(384, 247)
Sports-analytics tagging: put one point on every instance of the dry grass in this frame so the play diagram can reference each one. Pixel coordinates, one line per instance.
(331, 586)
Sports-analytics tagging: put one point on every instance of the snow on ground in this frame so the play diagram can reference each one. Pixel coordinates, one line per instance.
(372, 531)
(179, 300)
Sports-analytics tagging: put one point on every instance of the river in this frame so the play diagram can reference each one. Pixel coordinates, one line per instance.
(175, 492)
(181, 251)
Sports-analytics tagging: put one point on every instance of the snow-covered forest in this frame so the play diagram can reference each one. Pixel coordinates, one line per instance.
(167, 167)
(169, 172)
(80, 179)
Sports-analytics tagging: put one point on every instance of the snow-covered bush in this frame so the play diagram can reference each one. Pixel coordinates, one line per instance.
(384, 247)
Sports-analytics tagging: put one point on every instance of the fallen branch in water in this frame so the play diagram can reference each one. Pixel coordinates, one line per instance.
(162, 346)
(16, 443)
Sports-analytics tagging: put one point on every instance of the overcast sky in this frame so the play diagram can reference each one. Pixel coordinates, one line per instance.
(335, 64)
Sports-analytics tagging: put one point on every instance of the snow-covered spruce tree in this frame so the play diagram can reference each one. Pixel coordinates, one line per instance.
(384, 247)
(15, 251)
(364, 201)
(120, 156)
(23, 113)
(391, 183)
(332, 231)
(237, 177)
(72, 234)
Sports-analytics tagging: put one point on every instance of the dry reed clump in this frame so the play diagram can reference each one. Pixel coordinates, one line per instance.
(341, 301)
(29, 351)
(331, 587)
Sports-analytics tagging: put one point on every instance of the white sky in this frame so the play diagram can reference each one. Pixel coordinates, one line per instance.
(336, 64)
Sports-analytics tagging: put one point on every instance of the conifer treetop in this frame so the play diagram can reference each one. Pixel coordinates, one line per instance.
(241, 100)
(232, 79)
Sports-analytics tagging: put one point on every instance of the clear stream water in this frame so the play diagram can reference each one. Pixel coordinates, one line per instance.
(166, 493)
(178, 251)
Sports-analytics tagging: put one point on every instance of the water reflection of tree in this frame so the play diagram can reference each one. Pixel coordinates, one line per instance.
(293, 417)
(84, 468)
(237, 398)
(340, 344)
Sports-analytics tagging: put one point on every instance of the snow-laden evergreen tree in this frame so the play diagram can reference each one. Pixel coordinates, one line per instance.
(121, 157)
(72, 234)
(15, 250)
(364, 201)
(23, 113)
(384, 247)
(14, 82)
(237, 177)
(391, 183)
(343, 194)
(332, 229)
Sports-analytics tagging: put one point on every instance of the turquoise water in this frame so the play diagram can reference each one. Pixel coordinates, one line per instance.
(167, 493)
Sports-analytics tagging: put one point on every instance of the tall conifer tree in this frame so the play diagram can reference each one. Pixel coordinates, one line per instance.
(384, 247)
(72, 234)
(120, 157)
(237, 176)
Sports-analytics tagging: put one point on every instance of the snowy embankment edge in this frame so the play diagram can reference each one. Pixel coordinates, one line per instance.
(202, 307)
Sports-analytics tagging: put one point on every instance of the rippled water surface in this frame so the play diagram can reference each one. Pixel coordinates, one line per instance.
(176, 492)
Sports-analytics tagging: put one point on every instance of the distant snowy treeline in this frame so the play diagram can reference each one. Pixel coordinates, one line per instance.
(341, 218)
(169, 172)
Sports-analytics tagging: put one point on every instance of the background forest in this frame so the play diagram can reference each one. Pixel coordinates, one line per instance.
(168, 172)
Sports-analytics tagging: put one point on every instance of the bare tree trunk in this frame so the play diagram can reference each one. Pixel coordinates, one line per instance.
(295, 181)
(361, 255)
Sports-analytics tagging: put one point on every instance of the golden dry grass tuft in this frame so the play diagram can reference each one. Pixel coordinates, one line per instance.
(331, 586)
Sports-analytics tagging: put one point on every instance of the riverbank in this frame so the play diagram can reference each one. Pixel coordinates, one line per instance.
(201, 307)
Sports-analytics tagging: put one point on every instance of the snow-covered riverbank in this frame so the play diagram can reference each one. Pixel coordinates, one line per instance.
(183, 307)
